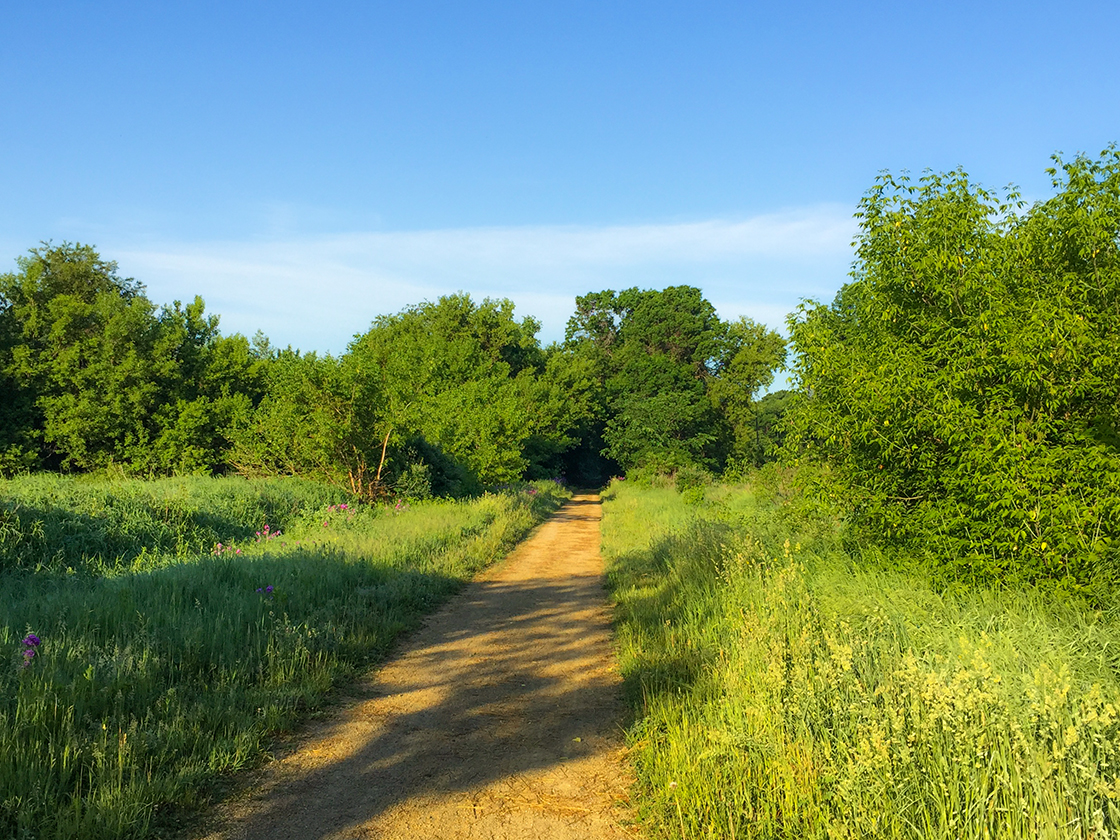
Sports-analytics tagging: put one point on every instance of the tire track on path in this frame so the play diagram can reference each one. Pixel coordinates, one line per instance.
(500, 718)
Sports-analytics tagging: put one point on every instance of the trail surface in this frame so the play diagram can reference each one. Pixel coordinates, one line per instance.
(498, 719)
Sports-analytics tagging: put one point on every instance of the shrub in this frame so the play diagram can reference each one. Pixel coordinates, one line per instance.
(966, 383)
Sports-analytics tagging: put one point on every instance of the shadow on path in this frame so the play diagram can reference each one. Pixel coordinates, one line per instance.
(504, 708)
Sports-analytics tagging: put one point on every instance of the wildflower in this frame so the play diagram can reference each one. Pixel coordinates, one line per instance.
(32, 642)
(268, 588)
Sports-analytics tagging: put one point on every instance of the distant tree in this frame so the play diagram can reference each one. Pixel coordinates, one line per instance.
(752, 355)
(768, 421)
(84, 342)
(446, 398)
(317, 419)
(469, 380)
(677, 382)
(98, 377)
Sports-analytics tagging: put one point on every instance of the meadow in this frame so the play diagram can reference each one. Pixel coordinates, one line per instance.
(788, 683)
(156, 636)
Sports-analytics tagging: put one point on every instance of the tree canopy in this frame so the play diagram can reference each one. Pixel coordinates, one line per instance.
(94, 375)
(677, 383)
(966, 382)
(444, 397)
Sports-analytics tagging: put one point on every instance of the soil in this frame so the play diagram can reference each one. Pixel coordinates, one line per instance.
(500, 718)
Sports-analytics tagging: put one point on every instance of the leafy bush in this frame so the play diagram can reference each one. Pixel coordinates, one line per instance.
(415, 482)
(966, 383)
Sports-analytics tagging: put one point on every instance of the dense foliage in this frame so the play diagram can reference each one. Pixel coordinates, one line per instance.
(94, 376)
(676, 385)
(443, 398)
(966, 382)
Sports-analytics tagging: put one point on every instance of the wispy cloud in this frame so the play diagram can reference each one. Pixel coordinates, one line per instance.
(316, 292)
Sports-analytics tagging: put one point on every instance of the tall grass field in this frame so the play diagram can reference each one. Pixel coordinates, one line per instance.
(155, 636)
(786, 685)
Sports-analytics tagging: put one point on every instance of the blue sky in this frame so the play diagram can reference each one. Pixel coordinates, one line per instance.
(307, 168)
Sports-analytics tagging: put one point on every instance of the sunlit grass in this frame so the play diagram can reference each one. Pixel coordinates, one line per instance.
(178, 665)
(784, 689)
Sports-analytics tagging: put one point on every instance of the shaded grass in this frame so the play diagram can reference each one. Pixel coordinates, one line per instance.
(86, 526)
(785, 688)
(154, 681)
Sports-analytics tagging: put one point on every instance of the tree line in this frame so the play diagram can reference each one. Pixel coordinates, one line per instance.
(445, 397)
(962, 390)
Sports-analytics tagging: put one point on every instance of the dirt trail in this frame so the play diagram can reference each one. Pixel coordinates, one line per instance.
(498, 719)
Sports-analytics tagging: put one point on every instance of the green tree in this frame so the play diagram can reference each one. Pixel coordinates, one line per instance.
(97, 377)
(750, 358)
(83, 340)
(677, 382)
(464, 379)
(966, 382)
(316, 419)
(445, 397)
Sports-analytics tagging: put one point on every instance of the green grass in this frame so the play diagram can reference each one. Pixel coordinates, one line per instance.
(60, 524)
(784, 688)
(166, 664)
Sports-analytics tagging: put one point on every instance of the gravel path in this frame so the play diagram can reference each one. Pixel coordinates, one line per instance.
(500, 718)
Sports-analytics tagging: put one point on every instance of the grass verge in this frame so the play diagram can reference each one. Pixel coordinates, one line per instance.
(786, 688)
(160, 667)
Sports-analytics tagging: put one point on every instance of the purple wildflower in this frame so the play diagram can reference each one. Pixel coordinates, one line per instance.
(32, 640)
(268, 588)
